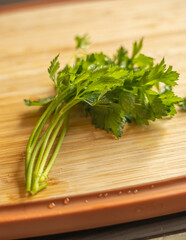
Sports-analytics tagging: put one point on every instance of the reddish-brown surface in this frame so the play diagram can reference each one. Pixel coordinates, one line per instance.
(93, 210)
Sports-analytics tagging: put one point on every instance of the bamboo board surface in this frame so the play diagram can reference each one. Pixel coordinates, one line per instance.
(90, 160)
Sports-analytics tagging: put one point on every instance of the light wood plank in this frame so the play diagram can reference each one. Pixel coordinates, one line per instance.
(90, 160)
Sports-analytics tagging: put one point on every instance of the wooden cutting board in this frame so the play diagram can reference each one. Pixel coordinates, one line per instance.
(90, 159)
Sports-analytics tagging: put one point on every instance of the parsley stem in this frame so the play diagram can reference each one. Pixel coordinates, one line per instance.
(39, 126)
(43, 141)
(36, 175)
(61, 113)
(56, 151)
(46, 138)
(41, 149)
(44, 144)
(31, 162)
(39, 188)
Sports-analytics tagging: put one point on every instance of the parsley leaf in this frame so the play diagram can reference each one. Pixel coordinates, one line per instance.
(82, 42)
(109, 117)
(183, 104)
(39, 102)
(121, 58)
(143, 61)
(136, 48)
(54, 66)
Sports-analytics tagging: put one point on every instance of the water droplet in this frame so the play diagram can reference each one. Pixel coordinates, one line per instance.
(136, 191)
(51, 205)
(86, 201)
(105, 194)
(129, 191)
(120, 192)
(138, 210)
(152, 186)
(100, 195)
(66, 201)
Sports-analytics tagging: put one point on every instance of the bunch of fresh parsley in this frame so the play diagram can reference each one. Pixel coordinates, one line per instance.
(113, 91)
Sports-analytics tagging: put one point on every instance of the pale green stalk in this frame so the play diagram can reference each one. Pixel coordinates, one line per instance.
(32, 179)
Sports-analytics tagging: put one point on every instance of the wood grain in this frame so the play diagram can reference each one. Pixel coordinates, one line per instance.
(90, 160)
